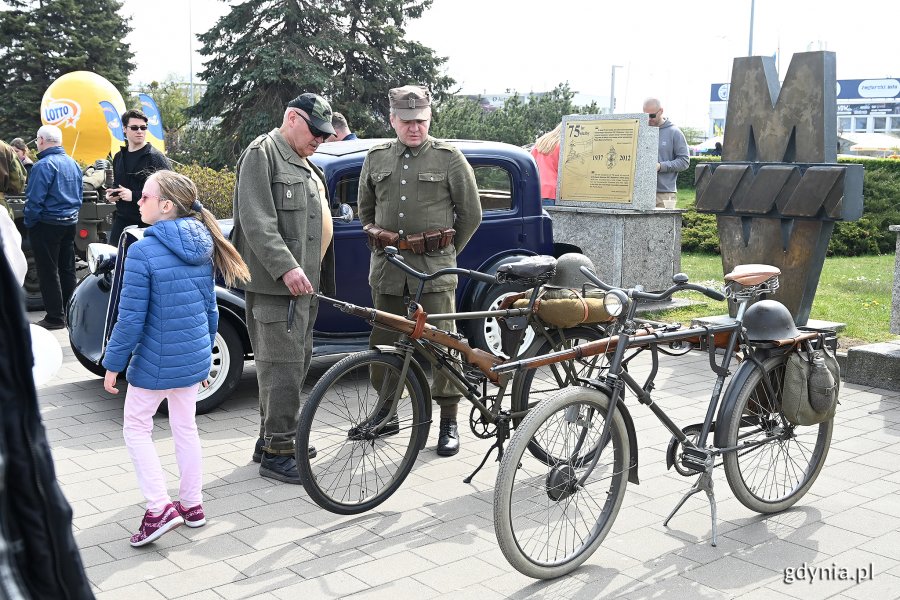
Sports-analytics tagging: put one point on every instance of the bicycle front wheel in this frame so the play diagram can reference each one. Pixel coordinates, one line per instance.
(778, 461)
(363, 453)
(532, 386)
(546, 523)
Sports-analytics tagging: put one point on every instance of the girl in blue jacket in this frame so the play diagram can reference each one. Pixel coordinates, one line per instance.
(166, 326)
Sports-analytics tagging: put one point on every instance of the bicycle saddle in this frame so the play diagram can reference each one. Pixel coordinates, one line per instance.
(539, 268)
(749, 275)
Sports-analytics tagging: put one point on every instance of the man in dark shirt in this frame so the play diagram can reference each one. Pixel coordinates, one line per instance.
(132, 166)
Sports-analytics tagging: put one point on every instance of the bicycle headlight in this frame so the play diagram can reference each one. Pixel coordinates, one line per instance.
(615, 302)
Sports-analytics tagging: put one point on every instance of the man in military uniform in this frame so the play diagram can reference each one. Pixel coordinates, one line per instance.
(423, 190)
(12, 174)
(283, 231)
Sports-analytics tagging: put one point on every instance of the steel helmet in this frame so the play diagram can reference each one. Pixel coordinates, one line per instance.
(568, 274)
(769, 320)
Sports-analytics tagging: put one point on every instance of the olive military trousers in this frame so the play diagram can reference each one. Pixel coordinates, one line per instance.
(282, 361)
(443, 392)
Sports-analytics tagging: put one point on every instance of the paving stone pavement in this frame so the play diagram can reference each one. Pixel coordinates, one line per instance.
(435, 539)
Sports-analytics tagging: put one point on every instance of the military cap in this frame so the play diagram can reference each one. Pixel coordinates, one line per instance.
(317, 108)
(411, 102)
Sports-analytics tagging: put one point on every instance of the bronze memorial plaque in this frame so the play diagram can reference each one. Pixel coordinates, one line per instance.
(597, 160)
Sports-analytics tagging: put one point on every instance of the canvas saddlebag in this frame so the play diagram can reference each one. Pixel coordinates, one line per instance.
(812, 379)
(568, 307)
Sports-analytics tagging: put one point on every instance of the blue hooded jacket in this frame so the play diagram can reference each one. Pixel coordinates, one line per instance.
(167, 310)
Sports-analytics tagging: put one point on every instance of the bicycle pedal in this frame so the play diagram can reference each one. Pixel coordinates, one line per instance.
(694, 459)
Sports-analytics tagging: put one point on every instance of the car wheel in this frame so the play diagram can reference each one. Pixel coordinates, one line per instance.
(485, 333)
(225, 373)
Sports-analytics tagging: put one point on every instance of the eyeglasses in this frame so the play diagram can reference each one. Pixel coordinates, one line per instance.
(313, 130)
(136, 127)
(145, 196)
(652, 115)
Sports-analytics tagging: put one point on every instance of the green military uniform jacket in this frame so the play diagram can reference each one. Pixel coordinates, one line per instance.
(12, 173)
(278, 217)
(411, 190)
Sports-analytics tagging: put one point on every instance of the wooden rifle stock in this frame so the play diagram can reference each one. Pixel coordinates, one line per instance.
(474, 356)
(580, 351)
(594, 348)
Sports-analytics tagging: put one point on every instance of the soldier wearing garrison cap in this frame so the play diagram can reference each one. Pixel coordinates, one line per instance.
(424, 190)
(283, 231)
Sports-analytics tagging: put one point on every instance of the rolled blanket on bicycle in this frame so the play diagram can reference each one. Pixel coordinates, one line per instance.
(419, 243)
(567, 307)
(812, 380)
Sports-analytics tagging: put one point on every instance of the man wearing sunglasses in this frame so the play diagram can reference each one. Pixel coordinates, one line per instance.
(132, 165)
(673, 154)
(283, 231)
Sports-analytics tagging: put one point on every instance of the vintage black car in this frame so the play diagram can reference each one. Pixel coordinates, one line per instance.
(514, 225)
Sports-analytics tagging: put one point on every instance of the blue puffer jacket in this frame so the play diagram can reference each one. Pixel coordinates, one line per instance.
(167, 311)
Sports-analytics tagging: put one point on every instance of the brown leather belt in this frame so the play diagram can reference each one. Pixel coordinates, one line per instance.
(418, 243)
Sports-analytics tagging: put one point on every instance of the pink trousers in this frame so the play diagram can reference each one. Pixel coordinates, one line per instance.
(140, 406)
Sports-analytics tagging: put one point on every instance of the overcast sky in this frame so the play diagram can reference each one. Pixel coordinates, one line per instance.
(672, 50)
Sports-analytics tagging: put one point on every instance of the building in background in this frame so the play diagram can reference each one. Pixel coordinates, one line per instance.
(863, 106)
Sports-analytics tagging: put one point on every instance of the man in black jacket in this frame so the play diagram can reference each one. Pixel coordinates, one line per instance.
(131, 167)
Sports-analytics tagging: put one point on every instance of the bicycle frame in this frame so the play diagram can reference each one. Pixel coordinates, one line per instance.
(698, 456)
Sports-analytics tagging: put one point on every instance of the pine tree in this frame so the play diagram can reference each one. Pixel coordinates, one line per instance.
(266, 52)
(43, 39)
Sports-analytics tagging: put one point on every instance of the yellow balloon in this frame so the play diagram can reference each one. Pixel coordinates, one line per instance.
(72, 103)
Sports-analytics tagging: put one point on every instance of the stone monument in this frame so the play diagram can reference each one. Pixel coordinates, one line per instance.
(778, 190)
(606, 198)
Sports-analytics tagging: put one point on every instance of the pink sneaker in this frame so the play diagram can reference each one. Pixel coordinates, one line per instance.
(152, 527)
(193, 517)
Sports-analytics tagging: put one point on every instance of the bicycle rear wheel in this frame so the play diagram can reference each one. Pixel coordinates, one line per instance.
(546, 524)
(780, 460)
(532, 386)
(359, 465)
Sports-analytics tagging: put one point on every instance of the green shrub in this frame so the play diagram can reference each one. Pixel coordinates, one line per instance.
(215, 188)
(699, 232)
(881, 209)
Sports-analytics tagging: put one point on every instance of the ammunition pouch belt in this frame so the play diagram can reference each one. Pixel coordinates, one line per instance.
(418, 243)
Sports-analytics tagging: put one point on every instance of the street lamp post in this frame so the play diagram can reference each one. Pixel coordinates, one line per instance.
(612, 88)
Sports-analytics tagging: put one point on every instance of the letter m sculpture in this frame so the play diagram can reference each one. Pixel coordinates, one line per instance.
(778, 190)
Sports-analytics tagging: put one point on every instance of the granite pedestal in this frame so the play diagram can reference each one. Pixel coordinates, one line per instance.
(626, 247)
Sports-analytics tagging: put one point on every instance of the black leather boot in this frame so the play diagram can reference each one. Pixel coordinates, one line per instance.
(448, 437)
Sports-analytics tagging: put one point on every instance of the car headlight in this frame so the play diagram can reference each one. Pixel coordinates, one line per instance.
(615, 302)
(101, 258)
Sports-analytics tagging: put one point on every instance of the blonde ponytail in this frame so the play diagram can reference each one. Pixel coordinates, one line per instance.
(183, 194)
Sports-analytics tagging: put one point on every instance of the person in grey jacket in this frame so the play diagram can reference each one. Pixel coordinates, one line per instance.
(673, 154)
(283, 230)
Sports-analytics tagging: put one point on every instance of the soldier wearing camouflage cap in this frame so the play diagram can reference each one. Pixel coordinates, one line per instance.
(283, 231)
(410, 186)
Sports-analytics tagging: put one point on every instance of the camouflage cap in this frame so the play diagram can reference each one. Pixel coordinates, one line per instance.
(411, 102)
(317, 108)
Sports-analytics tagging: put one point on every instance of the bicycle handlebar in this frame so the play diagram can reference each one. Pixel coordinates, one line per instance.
(638, 293)
(393, 257)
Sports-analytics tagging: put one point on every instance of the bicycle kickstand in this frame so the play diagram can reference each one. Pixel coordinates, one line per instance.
(502, 436)
(704, 483)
